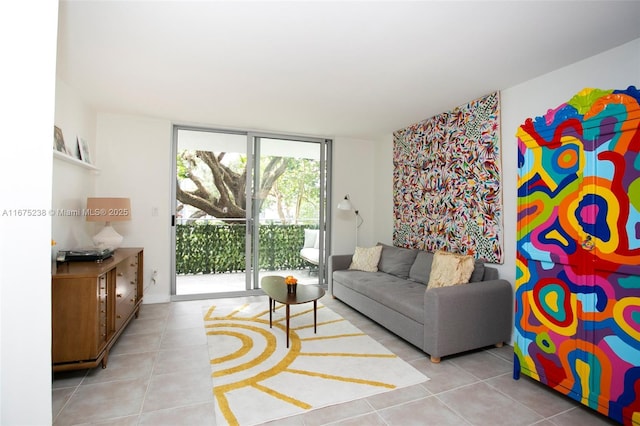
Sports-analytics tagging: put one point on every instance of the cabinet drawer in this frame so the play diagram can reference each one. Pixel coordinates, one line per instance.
(126, 277)
(126, 291)
(103, 325)
(124, 308)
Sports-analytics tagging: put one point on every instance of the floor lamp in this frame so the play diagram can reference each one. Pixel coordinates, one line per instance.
(345, 204)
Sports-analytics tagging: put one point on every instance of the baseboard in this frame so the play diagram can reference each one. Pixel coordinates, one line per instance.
(159, 298)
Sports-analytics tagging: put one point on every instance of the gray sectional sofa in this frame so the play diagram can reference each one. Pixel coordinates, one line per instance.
(440, 321)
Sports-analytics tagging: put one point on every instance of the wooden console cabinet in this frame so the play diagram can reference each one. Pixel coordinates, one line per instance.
(91, 304)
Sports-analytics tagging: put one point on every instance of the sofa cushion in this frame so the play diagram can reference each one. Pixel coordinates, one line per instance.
(396, 260)
(421, 268)
(311, 255)
(366, 258)
(478, 271)
(450, 269)
(403, 296)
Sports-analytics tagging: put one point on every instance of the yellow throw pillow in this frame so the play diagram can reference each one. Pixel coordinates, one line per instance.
(450, 269)
(366, 259)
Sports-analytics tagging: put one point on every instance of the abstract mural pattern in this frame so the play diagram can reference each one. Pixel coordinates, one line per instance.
(446, 182)
(577, 318)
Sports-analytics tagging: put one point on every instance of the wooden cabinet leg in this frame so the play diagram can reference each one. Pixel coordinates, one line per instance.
(105, 359)
(435, 359)
(499, 345)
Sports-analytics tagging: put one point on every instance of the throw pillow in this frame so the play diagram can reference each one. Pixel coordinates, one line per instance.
(478, 271)
(366, 259)
(450, 269)
(396, 260)
(421, 268)
(310, 237)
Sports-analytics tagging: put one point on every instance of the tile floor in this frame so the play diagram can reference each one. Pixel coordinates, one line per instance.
(158, 374)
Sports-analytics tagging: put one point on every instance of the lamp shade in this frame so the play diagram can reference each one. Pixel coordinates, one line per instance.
(108, 209)
(345, 204)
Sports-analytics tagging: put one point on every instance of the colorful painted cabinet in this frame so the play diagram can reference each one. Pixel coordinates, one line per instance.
(577, 315)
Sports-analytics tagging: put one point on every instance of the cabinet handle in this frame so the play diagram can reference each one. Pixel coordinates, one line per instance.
(120, 274)
(133, 300)
(118, 295)
(118, 316)
(133, 283)
(133, 264)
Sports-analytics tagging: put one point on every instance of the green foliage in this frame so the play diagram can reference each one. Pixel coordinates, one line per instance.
(218, 248)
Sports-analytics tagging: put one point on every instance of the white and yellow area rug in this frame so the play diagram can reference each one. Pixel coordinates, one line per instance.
(256, 378)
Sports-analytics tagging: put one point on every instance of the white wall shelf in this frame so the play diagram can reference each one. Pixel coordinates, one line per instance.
(69, 159)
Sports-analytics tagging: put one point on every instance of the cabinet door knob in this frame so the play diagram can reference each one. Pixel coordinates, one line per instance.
(118, 295)
(588, 243)
(132, 282)
(120, 274)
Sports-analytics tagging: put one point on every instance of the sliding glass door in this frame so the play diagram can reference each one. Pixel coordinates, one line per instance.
(289, 209)
(246, 205)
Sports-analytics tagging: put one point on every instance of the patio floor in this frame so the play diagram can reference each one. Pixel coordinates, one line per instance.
(231, 282)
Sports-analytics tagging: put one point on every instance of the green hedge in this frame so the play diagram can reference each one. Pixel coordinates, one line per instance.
(217, 248)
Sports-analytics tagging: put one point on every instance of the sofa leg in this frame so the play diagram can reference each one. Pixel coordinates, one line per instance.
(499, 345)
(435, 359)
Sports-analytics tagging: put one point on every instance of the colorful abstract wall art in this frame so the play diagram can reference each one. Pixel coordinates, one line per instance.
(577, 290)
(446, 182)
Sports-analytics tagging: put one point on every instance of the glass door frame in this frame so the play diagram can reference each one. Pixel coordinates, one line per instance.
(253, 156)
(252, 286)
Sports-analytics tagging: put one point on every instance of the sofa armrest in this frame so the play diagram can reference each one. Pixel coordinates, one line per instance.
(468, 316)
(337, 262)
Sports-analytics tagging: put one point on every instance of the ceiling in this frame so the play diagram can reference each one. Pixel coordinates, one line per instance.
(326, 68)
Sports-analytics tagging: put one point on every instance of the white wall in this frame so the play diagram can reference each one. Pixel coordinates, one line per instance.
(134, 154)
(28, 91)
(383, 182)
(72, 184)
(353, 175)
(614, 69)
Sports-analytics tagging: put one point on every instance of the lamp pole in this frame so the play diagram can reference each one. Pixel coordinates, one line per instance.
(357, 226)
(345, 204)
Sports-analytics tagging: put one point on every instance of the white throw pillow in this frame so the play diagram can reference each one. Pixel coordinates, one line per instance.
(310, 237)
(366, 258)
